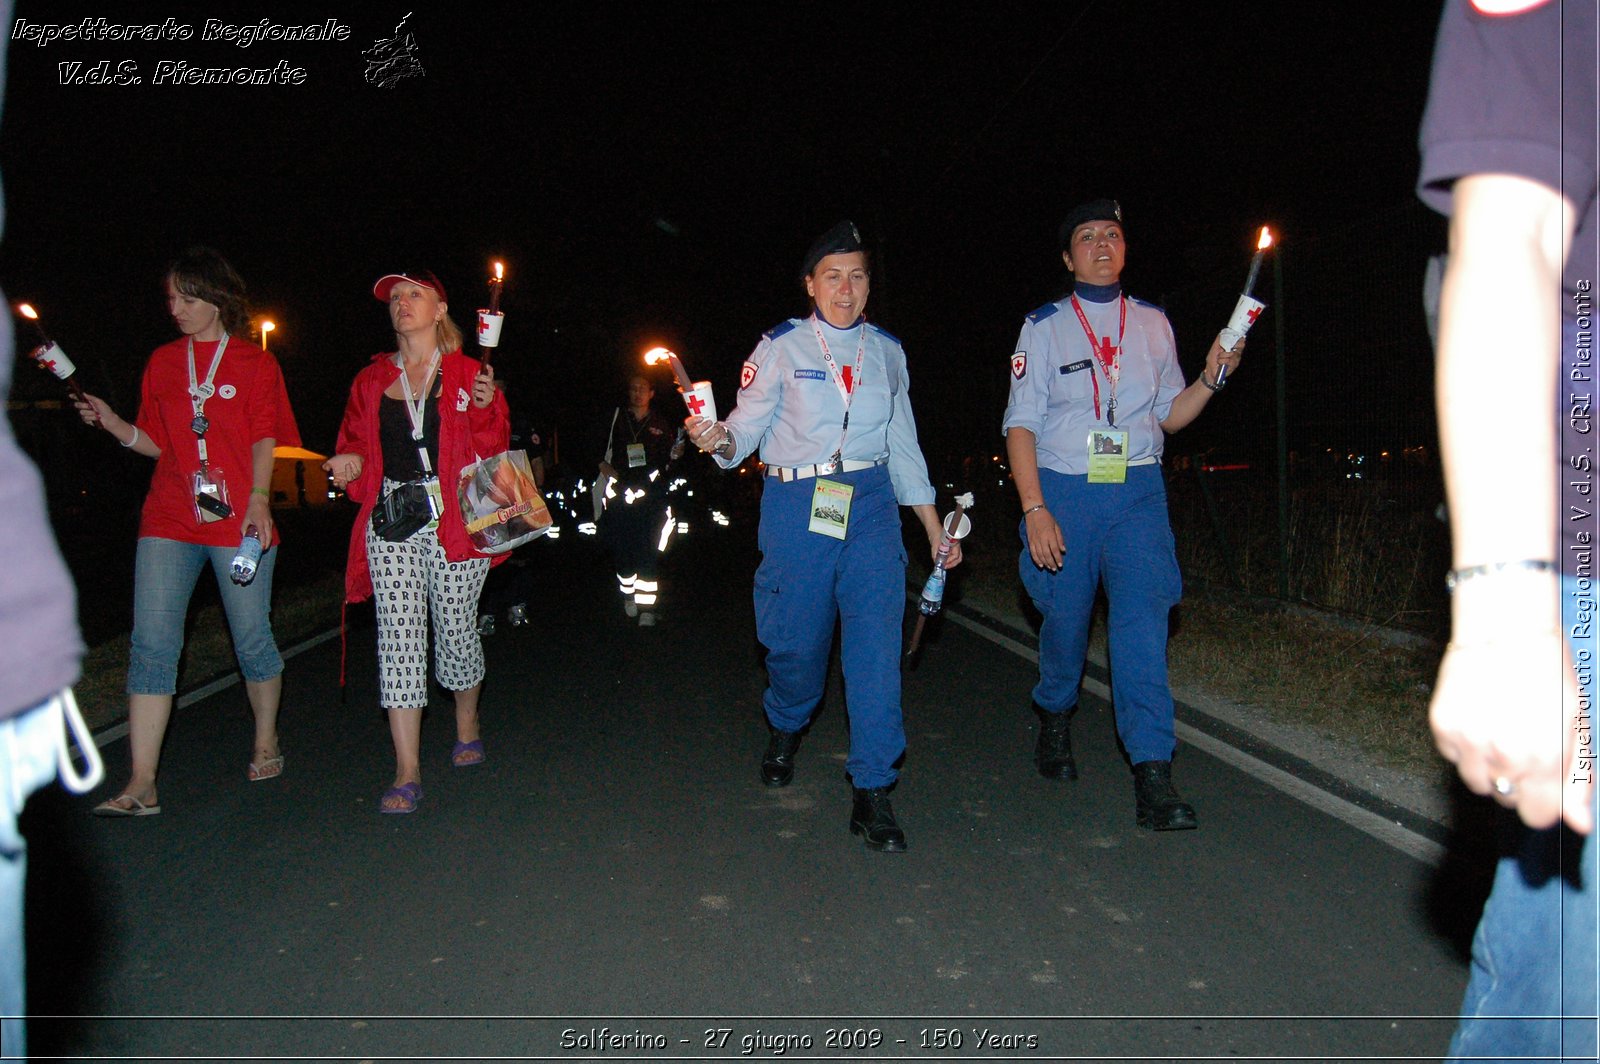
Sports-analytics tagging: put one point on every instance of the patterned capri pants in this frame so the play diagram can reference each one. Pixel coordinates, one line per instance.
(410, 580)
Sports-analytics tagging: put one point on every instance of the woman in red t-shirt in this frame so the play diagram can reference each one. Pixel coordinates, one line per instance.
(417, 417)
(212, 407)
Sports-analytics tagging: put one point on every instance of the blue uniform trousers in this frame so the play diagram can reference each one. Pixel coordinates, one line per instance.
(806, 582)
(1118, 534)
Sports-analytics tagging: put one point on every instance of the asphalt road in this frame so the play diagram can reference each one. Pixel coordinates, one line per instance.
(615, 883)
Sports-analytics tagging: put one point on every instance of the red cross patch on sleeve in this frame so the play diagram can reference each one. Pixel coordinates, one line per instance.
(1019, 365)
(747, 373)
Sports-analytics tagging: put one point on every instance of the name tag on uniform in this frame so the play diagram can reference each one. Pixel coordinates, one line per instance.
(635, 455)
(810, 375)
(830, 508)
(1108, 456)
(1073, 367)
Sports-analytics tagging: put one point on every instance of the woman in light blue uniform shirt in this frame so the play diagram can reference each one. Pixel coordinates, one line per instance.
(1095, 388)
(825, 398)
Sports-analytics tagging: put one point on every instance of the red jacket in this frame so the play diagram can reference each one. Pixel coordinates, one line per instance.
(466, 433)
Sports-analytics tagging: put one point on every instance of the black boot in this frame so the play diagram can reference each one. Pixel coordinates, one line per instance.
(777, 764)
(1157, 805)
(1053, 755)
(873, 818)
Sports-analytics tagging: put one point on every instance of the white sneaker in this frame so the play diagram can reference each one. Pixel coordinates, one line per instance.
(647, 619)
(630, 608)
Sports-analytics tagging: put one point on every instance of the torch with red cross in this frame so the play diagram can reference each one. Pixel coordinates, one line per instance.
(696, 394)
(49, 356)
(1248, 309)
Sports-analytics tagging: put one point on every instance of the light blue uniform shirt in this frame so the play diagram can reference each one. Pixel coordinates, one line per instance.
(1054, 372)
(790, 405)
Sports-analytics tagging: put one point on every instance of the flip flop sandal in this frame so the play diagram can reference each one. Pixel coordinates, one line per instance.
(110, 808)
(269, 769)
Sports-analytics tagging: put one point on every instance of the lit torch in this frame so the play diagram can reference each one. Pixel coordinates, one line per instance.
(696, 394)
(48, 355)
(490, 320)
(1249, 308)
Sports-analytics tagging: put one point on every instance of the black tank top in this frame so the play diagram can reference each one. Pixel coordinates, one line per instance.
(400, 461)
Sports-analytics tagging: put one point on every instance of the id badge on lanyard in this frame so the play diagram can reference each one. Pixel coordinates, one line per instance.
(1108, 456)
(210, 491)
(636, 457)
(830, 508)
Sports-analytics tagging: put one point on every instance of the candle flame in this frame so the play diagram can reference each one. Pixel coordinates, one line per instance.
(27, 311)
(499, 271)
(1266, 239)
(657, 354)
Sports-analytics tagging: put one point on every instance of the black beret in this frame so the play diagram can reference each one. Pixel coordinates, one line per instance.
(842, 239)
(1092, 211)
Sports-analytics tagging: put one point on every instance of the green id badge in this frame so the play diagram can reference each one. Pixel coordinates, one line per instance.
(830, 508)
(1108, 456)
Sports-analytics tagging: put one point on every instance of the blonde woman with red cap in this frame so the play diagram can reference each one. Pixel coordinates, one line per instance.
(416, 417)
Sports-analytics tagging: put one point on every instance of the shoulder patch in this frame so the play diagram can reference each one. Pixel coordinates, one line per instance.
(1044, 312)
(778, 330)
(747, 373)
(885, 333)
(1019, 365)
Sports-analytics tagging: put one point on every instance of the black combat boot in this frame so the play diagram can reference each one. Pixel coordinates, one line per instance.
(1157, 805)
(1053, 755)
(777, 764)
(873, 818)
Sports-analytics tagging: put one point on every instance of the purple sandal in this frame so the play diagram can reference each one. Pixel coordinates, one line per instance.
(401, 799)
(465, 755)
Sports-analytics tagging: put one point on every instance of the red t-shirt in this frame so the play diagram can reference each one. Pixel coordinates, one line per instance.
(250, 404)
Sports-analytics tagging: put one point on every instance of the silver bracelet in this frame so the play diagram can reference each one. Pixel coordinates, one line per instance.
(131, 439)
(1030, 509)
(1209, 385)
(1455, 577)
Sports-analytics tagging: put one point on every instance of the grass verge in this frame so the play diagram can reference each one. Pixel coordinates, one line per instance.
(298, 612)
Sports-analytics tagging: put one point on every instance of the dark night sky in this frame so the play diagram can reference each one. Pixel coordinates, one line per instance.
(657, 175)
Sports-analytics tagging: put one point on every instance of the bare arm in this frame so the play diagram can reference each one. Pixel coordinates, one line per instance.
(258, 511)
(1505, 705)
(1046, 545)
(96, 411)
(1193, 399)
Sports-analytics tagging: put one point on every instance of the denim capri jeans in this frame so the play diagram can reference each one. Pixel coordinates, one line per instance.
(164, 575)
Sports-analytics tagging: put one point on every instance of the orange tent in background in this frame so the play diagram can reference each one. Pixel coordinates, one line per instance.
(298, 479)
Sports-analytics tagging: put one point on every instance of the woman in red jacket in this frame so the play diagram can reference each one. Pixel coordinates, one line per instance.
(415, 418)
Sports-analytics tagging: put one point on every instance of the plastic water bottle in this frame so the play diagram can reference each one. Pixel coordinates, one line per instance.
(249, 556)
(932, 592)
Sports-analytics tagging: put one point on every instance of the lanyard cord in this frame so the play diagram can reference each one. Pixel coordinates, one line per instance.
(199, 393)
(1110, 358)
(846, 389)
(414, 405)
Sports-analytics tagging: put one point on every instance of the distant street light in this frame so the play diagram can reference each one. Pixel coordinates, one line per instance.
(266, 327)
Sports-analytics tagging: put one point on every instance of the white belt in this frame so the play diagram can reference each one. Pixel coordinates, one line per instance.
(849, 465)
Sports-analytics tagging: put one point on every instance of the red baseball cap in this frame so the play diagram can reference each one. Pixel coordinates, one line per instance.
(425, 278)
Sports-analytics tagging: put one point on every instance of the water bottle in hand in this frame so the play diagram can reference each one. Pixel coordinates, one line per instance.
(249, 556)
